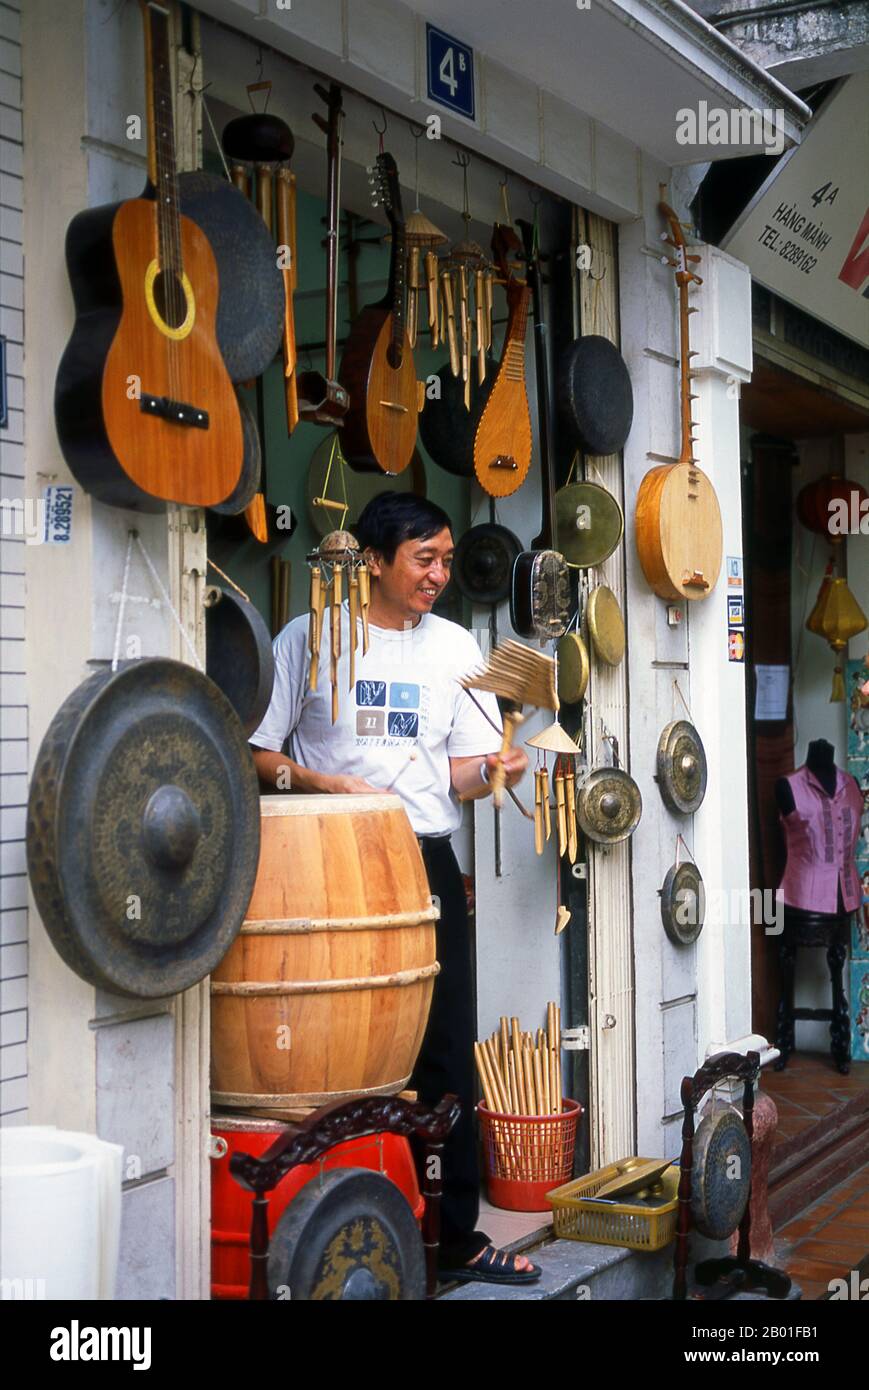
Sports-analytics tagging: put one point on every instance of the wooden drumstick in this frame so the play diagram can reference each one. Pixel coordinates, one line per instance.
(353, 595)
(335, 615)
(485, 1080)
(364, 576)
(528, 1069)
(512, 720)
(505, 1049)
(314, 633)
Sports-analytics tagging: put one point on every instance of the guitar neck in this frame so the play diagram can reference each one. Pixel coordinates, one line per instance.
(162, 171)
(686, 454)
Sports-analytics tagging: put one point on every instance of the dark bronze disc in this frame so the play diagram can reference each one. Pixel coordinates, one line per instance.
(239, 654)
(721, 1175)
(609, 805)
(483, 563)
(143, 828)
(349, 1236)
(683, 903)
(589, 523)
(681, 771)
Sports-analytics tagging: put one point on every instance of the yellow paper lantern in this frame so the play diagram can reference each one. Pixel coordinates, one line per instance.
(841, 619)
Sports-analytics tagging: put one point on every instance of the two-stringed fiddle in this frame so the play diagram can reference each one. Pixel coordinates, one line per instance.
(146, 413)
(322, 400)
(377, 369)
(678, 519)
(502, 444)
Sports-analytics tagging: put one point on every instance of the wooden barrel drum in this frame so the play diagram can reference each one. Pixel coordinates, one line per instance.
(325, 992)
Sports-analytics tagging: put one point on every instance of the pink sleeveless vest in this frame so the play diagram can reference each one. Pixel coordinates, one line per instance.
(821, 836)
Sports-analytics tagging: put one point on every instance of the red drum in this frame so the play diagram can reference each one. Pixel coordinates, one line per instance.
(389, 1154)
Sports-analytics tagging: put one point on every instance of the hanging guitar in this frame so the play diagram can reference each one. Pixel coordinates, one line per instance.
(321, 399)
(540, 586)
(678, 519)
(146, 412)
(377, 368)
(502, 444)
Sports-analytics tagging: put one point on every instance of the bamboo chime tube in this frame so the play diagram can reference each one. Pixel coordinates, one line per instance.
(431, 281)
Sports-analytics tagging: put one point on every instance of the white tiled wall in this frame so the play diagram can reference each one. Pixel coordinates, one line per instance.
(13, 707)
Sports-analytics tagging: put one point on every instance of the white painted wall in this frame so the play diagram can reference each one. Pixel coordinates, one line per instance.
(13, 691)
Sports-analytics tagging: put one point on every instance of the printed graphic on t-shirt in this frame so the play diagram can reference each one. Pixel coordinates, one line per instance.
(401, 719)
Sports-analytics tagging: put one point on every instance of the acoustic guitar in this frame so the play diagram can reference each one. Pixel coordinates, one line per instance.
(502, 444)
(146, 412)
(678, 519)
(377, 368)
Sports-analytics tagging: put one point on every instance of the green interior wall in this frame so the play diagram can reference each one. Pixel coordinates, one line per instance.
(287, 459)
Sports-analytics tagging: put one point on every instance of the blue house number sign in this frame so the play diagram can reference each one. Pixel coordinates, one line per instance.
(450, 72)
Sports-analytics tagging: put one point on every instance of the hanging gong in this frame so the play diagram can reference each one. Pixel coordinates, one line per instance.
(683, 903)
(606, 626)
(250, 313)
(239, 654)
(573, 668)
(589, 524)
(595, 394)
(248, 484)
(721, 1173)
(143, 828)
(609, 805)
(681, 774)
(483, 563)
(349, 1236)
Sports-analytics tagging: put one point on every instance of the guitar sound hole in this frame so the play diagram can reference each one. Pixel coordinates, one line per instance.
(170, 299)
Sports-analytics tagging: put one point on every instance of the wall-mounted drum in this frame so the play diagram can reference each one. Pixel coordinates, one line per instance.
(326, 991)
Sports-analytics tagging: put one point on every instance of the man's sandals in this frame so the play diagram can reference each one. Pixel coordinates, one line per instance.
(493, 1267)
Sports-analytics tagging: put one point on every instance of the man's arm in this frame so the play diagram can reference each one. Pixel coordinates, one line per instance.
(278, 771)
(467, 781)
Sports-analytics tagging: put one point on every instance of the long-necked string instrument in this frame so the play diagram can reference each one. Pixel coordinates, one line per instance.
(678, 519)
(322, 399)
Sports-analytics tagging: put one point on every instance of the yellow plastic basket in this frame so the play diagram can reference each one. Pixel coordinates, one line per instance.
(631, 1225)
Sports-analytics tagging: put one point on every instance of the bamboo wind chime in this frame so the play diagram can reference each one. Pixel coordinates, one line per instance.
(421, 235)
(520, 1073)
(465, 324)
(519, 676)
(337, 554)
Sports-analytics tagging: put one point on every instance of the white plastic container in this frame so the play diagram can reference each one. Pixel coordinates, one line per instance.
(60, 1213)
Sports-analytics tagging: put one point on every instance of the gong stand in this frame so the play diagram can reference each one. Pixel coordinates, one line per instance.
(334, 1124)
(730, 1274)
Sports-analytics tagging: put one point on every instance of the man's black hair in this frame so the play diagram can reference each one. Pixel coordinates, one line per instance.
(393, 517)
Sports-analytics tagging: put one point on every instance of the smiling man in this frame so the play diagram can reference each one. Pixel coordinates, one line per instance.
(409, 727)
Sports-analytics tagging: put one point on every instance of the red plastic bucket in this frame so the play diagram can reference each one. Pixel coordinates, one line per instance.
(231, 1204)
(526, 1156)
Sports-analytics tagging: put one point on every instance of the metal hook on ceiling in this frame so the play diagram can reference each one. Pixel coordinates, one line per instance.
(535, 196)
(382, 132)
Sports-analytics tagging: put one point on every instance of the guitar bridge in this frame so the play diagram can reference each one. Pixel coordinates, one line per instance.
(697, 580)
(175, 412)
(504, 461)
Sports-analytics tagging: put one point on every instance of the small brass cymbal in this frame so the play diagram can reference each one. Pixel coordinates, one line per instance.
(573, 668)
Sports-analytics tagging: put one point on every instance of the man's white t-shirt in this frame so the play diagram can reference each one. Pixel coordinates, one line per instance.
(406, 698)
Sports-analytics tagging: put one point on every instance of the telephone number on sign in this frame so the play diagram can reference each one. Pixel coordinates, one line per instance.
(798, 255)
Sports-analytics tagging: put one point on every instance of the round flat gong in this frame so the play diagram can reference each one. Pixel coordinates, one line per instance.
(681, 767)
(609, 805)
(483, 563)
(573, 668)
(349, 1236)
(143, 828)
(683, 904)
(589, 523)
(606, 626)
(239, 654)
(721, 1175)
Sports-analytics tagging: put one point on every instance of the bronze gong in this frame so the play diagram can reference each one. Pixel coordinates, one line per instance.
(721, 1173)
(683, 903)
(681, 767)
(143, 828)
(606, 626)
(589, 523)
(609, 805)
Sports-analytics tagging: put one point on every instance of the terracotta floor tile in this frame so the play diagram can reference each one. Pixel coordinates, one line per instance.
(818, 1270)
(854, 1239)
(795, 1124)
(798, 1229)
(812, 1289)
(829, 1251)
